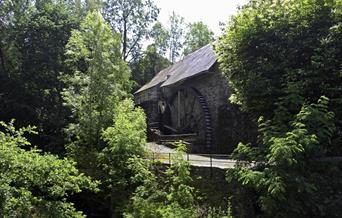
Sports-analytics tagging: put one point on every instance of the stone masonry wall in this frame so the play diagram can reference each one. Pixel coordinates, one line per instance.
(230, 125)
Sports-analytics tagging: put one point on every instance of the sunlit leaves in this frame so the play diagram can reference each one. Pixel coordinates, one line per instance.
(36, 184)
(131, 18)
(197, 36)
(165, 196)
(280, 57)
(100, 79)
(285, 161)
(279, 54)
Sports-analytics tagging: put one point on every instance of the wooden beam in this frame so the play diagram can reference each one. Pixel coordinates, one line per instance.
(178, 111)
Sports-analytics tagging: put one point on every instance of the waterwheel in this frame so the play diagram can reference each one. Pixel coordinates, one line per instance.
(187, 113)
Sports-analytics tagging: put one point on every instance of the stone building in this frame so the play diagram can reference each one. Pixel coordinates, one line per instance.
(189, 100)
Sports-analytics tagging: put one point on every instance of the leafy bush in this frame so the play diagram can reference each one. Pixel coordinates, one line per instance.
(34, 184)
(169, 195)
(288, 174)
(126, 138)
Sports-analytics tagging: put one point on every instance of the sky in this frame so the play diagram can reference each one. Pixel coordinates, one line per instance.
(210, 12)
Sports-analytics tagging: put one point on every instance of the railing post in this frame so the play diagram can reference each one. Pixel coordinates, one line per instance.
(153, 157)
(211, 165)
(170, 159)
(187, 157)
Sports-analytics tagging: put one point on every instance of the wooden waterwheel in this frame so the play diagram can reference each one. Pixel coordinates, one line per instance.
(187, 113)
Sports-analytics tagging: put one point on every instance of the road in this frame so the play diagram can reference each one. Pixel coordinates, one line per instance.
(163, 153)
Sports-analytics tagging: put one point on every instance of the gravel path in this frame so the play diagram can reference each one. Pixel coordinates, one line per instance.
(163, 153)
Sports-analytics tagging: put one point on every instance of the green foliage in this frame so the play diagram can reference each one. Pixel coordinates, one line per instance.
(218, 213)
(160, 36)
(168, 195)
(197, 36)
(131, 18)
(287, 168)
(126, 138)
(148, 197)
(148, 66)
(279, 58)
(33, 184)
(278, 55)
(179, 175)
(176, 36)
(33, 35)
(99, 80)
(94, 5)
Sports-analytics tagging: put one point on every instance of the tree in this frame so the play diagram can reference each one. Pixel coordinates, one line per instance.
(93, 5)
(33, 184)
(197, 36)
(160, 37)
(175, 33)
(289, 177)
(290, 49)
(152, 60)
(32, 41)
(100, 79)
(279, 58)
(148, 65)
(307, 67)
(106, 130)
(132, 19)
(125, 138)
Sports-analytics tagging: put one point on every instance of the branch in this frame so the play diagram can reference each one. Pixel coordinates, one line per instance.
(131, 47)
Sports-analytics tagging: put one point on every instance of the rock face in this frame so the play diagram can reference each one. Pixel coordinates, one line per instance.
(191, 97)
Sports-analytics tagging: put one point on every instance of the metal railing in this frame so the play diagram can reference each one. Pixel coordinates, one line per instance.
(201, 160)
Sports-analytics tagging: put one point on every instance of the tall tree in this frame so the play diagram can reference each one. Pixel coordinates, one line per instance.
(197, 36)
(152, 60)
(131, 18)
(148, 65)
(160, 37)
(33, 36)
(308, 55)
(283, 62)
(176, 36)
(99, 80)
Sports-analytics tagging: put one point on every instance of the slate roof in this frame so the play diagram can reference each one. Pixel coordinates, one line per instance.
(198, 62)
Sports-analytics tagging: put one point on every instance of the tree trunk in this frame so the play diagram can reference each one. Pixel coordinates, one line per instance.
(124, 42)
(2, 60)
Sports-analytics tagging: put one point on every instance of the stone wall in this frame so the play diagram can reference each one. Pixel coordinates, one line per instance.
(216, 92)
(147, 95)
(148, 100)
(230, 125)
